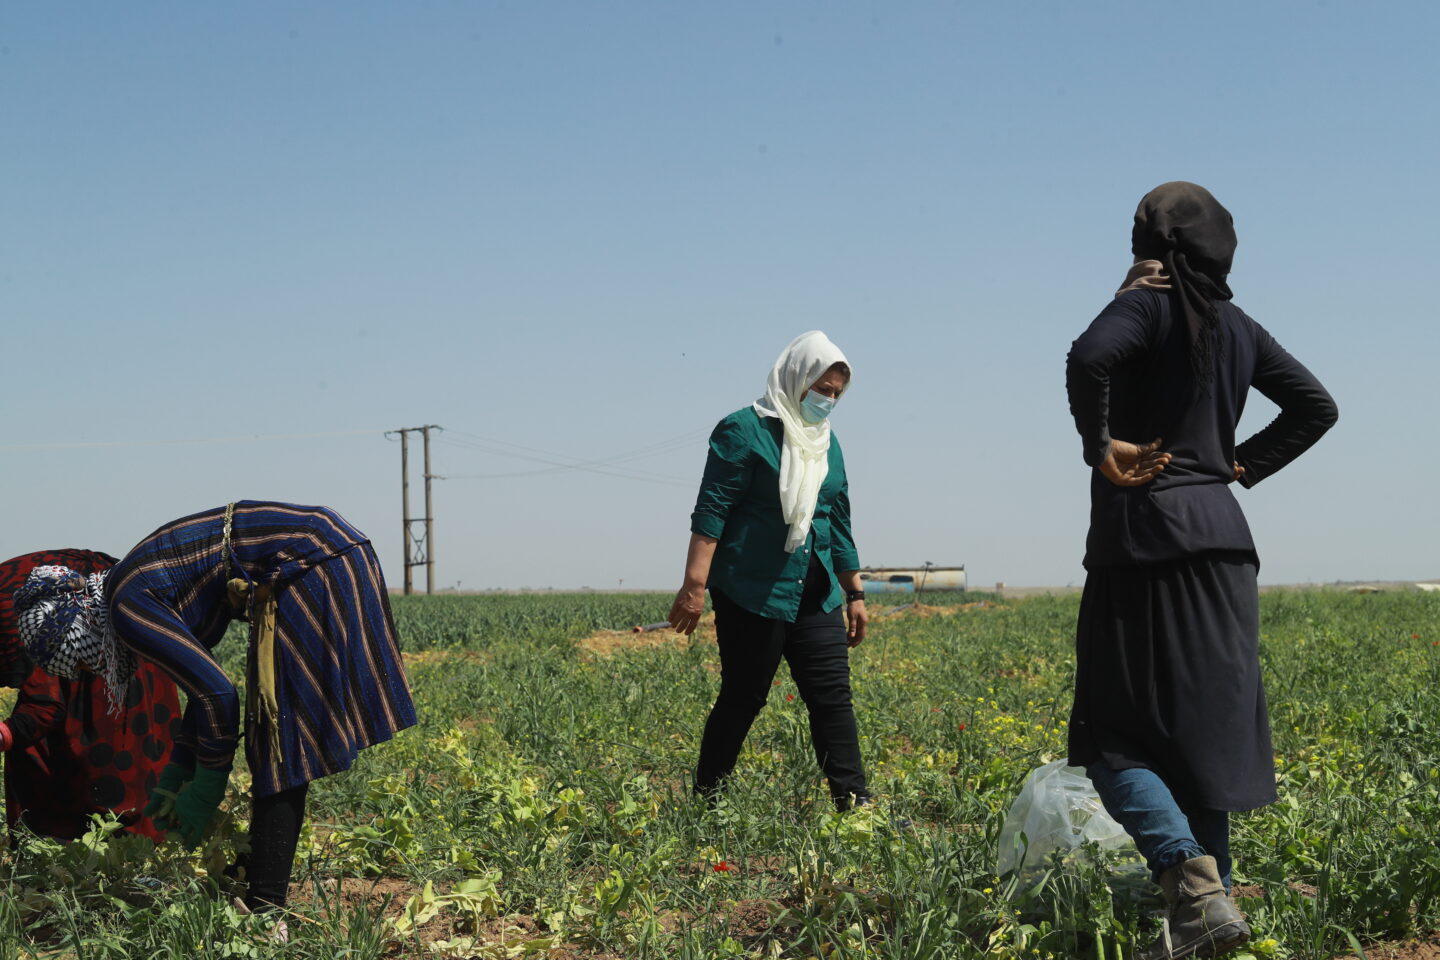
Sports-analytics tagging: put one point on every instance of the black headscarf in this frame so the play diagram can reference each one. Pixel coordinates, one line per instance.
(1185, 228)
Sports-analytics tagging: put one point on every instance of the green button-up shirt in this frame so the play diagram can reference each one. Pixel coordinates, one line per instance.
(739, 505)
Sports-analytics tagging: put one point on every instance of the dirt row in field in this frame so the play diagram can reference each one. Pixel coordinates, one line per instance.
(1427, 948)
(422, 658)
(606, 643)
(925, 610)
(388, 896)
(748, 920)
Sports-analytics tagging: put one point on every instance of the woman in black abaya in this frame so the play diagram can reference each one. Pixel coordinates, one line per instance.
(1169, 716)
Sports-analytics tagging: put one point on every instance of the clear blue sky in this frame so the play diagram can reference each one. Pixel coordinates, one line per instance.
(586, 229)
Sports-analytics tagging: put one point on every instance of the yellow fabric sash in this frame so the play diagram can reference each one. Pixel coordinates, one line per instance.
(257, 605)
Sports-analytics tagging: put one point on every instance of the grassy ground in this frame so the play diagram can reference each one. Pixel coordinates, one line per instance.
(540, 808)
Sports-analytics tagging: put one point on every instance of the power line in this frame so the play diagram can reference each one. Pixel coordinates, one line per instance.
(164, 443)
(668, 442)
(557, 462)
(553, 462)
(562, 468)
(566, 461)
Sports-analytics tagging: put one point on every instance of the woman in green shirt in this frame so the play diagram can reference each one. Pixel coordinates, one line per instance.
(770, 537)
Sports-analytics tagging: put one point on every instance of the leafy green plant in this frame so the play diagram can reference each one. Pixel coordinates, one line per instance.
(542, 807)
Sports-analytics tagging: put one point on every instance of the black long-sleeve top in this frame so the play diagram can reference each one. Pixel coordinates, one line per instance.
(1129, 376)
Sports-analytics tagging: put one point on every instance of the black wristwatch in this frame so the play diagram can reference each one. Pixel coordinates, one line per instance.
(852, 595)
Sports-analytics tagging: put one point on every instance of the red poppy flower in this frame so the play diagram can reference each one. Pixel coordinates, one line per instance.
(722, 867)
(1414, 636)
(777, 683)
(789, 697)
(962, 726)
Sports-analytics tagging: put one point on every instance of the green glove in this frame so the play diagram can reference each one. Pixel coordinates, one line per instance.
(172, 779)
(197, 803)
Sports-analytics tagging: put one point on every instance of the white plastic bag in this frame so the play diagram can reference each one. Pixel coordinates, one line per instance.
(1058, 809)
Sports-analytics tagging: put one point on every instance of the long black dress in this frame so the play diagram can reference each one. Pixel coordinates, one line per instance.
(1167, 645)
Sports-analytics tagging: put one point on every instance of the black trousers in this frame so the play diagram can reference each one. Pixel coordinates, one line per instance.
(751, 647)
(274, 832)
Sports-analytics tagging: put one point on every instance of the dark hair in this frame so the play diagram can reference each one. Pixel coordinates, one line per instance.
(843, 367)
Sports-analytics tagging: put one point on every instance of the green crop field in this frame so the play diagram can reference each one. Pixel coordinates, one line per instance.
(540, 809)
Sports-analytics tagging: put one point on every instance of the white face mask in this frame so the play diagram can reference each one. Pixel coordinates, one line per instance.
(816, 407)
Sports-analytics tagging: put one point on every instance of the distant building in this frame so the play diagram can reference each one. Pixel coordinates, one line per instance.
(912, 579)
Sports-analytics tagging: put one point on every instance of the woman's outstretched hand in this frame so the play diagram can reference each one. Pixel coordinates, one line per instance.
(1133, 465)
(686, 610)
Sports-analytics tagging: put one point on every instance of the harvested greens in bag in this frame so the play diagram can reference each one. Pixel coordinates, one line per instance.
(1057, 809)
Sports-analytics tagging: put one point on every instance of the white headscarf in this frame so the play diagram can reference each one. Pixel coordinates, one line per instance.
(804, 454)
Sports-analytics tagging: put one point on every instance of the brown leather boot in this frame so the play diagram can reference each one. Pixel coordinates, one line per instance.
(1200, 919)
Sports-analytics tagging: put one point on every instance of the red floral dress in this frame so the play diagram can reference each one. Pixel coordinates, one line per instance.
(71, 757)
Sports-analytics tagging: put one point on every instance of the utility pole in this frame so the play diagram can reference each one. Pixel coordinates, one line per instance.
(405, 504)
(429, 518)
(419, 551)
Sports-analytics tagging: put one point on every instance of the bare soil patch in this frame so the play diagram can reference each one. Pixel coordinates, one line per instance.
(1420, 948)
(606, 643)
(925, 610)
(749, 919)
(426, 658)
(1424, 948)
(356, 894)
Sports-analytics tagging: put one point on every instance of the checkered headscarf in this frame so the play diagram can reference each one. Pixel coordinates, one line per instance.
(65, 625)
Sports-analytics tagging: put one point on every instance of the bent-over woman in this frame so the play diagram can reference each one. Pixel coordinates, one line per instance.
(770, 536)
(1169, 716)
(70, 751)
(324, 675)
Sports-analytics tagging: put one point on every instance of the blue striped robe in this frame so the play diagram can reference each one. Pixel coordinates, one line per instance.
(341, 681)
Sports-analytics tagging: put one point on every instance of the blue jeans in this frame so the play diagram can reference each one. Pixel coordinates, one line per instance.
(1166, 830)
